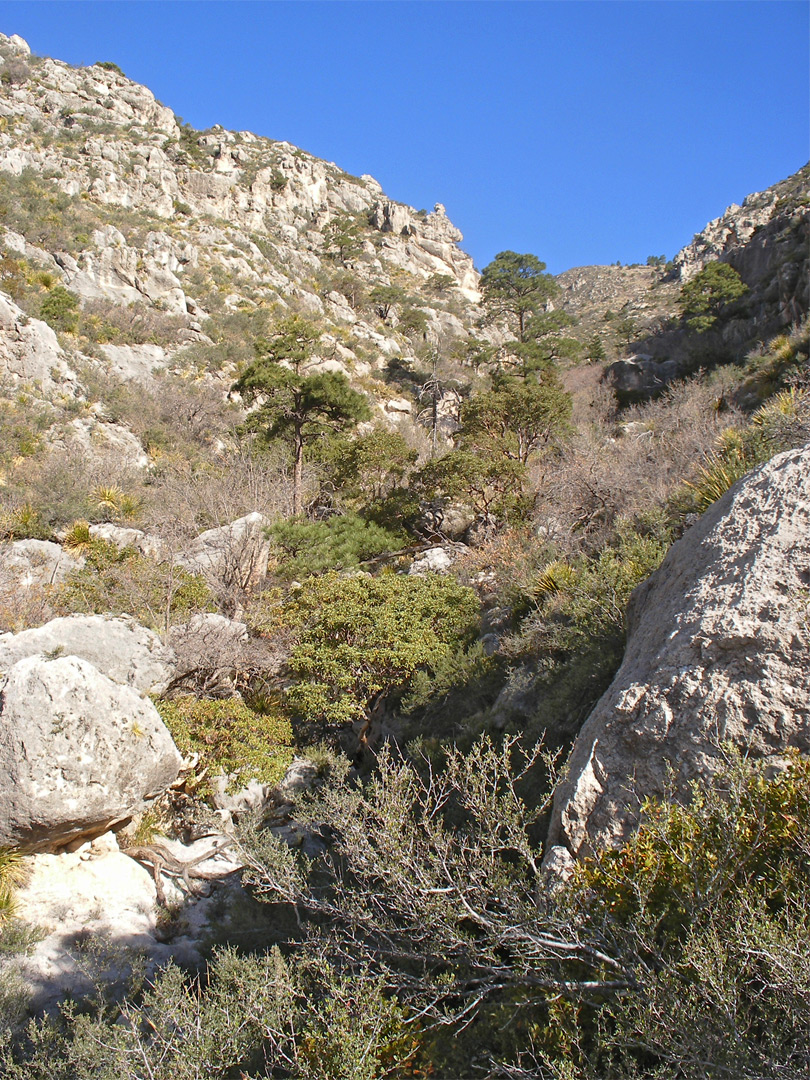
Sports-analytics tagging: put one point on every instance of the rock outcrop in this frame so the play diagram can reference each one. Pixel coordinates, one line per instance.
(36, 562)
(30, 354)
(233, 555)
(718, 651)
(116, 646)
(79, 753)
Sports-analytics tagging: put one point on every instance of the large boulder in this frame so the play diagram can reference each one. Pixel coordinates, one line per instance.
(718, 651)
(116, 645)
(79, 753)
(234, 555)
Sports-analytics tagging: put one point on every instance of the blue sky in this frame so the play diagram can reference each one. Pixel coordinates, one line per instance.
(583, 131)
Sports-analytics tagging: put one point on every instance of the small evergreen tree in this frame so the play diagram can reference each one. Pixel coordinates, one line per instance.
(704, 297)
(292, 405)
(516, 287)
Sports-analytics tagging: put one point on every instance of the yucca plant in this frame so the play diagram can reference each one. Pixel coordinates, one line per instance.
(11, 875)
(107, 498)
(554, 577)
(78, 537)
(715, 477)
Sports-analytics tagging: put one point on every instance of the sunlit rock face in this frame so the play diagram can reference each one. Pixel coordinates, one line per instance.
(718, 651)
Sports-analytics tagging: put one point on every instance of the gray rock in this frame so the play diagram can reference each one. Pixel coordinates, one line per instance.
(122, 537)
(301, 776)
(30, 352)
(78, 753)
(639, 377)
(436, 560)
(36, 562)
(253, 798)
(116, 646)
(235, 554)
(718, 650)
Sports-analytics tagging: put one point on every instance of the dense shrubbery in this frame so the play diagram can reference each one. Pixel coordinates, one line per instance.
(122, 582)
(359, 641)
(683, 954)
(339, 543)
(230, 738)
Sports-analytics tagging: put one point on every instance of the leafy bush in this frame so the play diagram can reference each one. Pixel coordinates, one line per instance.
(433, 945)
(231, 738)
(573, 633)
(60, 309)
(108, 65)
(711, 899)
(122, 582)
(339, 543)
(360, 640)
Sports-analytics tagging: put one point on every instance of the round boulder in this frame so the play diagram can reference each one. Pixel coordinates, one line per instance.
(79, 753)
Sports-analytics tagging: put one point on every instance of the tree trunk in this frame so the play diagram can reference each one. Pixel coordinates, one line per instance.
(298, 473)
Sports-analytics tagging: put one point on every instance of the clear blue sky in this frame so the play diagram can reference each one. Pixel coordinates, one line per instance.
(583, 132)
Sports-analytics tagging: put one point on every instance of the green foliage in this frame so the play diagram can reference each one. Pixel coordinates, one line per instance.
(573, 633)
(122, 582)
(596, 350)
(343, 238)
(231, 738)
(711, 898)
(772, 367)
(60, 309)
(11, 875)
(243, 1016)
(366, 469)
(626, 329)
(683, 954)
(341, 542)
(582, 603)
(493, 485)
(108, 65)
(22, 424)
(780, 424)
(23, 522)
(516, 287)
(384, 297)
(517, 417)
(359, 640)
(704, 297)
(293, 406)
(33, 205)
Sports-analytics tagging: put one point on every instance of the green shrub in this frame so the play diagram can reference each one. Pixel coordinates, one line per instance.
(122, 582)
(108, 65)
(711, 900)
(231, 738)
(359, 640)
(60, 309)
(339, 543)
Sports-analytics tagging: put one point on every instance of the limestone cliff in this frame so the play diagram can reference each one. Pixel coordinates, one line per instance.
(148, 212)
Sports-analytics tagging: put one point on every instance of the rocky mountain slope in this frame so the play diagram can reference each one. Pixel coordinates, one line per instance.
(106, 190)
(634, 309)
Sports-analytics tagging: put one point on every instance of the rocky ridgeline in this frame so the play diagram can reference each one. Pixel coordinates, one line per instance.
(184, 215)
(634, 309)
